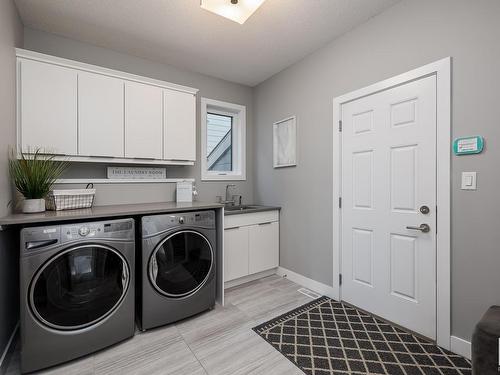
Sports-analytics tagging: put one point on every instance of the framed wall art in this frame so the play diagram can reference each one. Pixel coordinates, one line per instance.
(285, 143)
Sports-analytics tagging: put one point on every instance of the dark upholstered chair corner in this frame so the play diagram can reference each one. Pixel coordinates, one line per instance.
(485, 343)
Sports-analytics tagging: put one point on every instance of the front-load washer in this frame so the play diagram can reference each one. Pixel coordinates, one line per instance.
(77, 290)
(177, 267)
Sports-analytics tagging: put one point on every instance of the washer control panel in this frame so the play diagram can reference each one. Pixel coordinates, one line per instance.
(41, 238)
(87, 230)
(84, 231)
(97, 230)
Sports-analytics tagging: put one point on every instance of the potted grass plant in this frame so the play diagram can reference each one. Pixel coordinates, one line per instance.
(33, 174)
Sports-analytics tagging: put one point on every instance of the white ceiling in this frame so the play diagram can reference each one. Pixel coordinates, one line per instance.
(180, 33)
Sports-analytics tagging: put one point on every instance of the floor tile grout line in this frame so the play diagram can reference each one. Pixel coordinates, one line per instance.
(191, 350)
(248, 319)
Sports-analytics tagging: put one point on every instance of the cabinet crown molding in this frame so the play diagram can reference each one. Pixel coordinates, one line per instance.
(37, 56)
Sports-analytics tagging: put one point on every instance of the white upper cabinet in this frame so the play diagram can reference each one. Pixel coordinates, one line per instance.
(100, 115)
(89, 113)
(180, 125)
(47, 109)
(143, 121)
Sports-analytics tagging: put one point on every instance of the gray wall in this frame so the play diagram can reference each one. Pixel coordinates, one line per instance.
(11, 34)
(209, 87)
(406, 36)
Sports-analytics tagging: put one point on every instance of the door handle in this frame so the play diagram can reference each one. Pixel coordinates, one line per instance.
(37, 244)
(425, 228)
(154, 268)
(125, 276)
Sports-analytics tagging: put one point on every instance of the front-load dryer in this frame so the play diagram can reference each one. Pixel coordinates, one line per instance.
(77, 290)
(177, 267)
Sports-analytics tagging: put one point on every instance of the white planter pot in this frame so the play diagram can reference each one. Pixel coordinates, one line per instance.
(31, 206)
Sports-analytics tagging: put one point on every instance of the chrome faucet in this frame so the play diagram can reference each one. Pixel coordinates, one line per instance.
(228, 201)
(228, 197)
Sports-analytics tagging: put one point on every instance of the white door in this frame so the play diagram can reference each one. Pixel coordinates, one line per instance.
(100, 115)
(388, 176)
(143, 121)
(180, 126)
(48, 107)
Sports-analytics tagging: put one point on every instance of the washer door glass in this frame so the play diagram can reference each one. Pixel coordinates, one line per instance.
(181, 264)
(79, 287)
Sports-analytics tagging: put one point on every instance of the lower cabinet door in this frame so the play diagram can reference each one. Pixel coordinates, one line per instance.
(263, 246)
(235, 253)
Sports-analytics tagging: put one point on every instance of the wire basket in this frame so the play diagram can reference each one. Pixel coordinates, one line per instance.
(70, 199)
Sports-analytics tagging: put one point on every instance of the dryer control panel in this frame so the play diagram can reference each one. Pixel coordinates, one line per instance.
(151, 225)
(202, 218)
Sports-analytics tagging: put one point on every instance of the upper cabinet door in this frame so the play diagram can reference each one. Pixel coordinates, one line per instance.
(180, 126)
(143, 121)
(47, 110)
(100, 115)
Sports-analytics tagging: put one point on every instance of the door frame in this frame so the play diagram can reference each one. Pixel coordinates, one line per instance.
(441, 69)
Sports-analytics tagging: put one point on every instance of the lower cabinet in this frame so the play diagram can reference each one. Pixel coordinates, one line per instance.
(263, 248)
(235, 253)
(251, 244)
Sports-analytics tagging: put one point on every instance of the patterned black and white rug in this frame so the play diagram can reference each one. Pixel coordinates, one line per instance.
(329, 337)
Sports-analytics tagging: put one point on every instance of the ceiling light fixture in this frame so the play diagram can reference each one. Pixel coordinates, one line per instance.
(235, 10)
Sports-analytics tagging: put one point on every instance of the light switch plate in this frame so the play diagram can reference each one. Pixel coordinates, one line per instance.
(469, 180)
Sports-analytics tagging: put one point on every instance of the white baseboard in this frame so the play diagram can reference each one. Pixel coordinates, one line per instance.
(315, 286)
(249, 278)
(460, 346)
(8, 345)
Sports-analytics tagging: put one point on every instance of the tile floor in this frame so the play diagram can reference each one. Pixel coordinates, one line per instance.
(216, 342)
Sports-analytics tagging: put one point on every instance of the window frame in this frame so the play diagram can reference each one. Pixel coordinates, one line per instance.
(238, 145)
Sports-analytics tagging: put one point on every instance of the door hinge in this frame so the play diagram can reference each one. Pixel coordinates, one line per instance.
(340, 279)
(436, 220)
(340, 125)
(340, 202)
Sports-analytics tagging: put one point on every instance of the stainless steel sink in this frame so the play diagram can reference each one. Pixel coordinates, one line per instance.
(242, 208)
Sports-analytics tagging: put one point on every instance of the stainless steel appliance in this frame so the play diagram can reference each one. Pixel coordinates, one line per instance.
(77, 290)
(177, 267)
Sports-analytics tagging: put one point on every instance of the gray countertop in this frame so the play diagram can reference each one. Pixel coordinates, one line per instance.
(105, 211)
(254, 208)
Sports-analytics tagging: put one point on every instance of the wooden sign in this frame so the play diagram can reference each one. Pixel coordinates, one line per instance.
(140, 173)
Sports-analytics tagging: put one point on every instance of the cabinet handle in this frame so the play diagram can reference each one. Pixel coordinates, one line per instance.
(232, 228)
(269, 222)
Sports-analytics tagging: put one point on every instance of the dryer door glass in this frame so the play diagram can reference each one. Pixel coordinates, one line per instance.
(181, 264)
(79, 287)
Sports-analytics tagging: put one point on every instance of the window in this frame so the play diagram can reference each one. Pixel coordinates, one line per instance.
(223, 134)
(219, 142)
